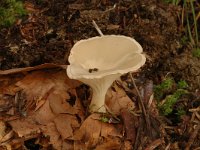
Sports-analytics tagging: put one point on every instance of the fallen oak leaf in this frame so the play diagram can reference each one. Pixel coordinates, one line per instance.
(2, 129)
(25, 127)
(7, 137)
(93, 131)
(110, 144)
(130, 124)
(66, 124)
(117, 99)
(44, 115)
(89, 131)
(54, 137)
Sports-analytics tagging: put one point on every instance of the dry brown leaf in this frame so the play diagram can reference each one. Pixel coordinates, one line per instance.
(65, 125)
(36, 85)
(110, 144)
(44, 115)
(127, 145)
(111, 130)
(25, 127)
(68, 145)
(118, 100)
(2, 129)
(59, 104)
(92, 131)
(89, 132)
(130, 124)
(15, 144)
(8, 136)
(55, 139)
(39, 86)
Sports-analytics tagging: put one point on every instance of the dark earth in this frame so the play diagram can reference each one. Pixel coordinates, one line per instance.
(52, 27)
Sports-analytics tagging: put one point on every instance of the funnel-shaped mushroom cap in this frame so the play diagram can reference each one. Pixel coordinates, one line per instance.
(98, 61)
(109, 54)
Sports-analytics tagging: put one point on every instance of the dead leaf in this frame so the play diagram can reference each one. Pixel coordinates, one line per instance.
(68, 145)
(118, 100)
(53, 85)
(8, 136)
(59, 104)
(2, 129)
(65, 125)
(55, 139)
(89, 132)
(130, 124)
(127, 145)
(44, 115)
(36, 85)
(111, 130)
(110, 144)
(25, 127)
(92, 131)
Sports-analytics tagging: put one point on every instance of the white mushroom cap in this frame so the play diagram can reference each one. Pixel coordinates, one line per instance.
(98, 61)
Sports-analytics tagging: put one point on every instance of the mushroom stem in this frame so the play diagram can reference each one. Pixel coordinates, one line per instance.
(99, 87)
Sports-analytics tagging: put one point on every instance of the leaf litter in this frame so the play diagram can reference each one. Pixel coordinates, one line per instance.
(45, 105)
(42, 104)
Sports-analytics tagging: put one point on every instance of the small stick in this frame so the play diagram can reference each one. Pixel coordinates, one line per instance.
(192, 137)
(97, 28)
(140, 97)
(154, 144)
(142, 104)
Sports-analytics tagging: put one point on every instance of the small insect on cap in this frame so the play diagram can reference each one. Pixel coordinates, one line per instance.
(100, 60)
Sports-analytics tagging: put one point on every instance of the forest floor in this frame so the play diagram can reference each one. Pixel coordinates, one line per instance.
(41, 108)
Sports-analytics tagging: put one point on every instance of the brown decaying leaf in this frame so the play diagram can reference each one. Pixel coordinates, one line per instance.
(92, 131)
(52, 107)
(59, 104)
(130, 124)
(117, 99)
(25, 127)
(110, 144)
(44, 115)
(2, 129)
(54, 136)
(48, 91)
(65, 125)
(7, 137)
(154, 144)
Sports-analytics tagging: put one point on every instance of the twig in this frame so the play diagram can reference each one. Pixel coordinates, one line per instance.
(138, 135)
(154, 144)
(168, 147)
(192, 137)
(142, 105)
(97, 28)
(140, 97)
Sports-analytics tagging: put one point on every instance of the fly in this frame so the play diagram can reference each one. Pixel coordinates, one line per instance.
(93, 70)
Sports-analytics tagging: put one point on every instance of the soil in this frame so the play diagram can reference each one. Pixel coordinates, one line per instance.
(48, 33)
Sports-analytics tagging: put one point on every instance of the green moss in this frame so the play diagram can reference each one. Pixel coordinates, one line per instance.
(170, 92)
(180, 111)
(196, 52)
(104, 119)
(182, 84)
(170, 101)
(10, 10)
(166, 85)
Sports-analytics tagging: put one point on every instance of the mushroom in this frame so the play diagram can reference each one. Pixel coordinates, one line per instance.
(99, 61)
